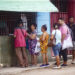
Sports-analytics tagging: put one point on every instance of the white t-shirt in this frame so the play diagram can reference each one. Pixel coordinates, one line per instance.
(57, 34)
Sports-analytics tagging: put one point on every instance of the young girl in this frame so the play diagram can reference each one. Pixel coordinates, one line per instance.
(43, 44)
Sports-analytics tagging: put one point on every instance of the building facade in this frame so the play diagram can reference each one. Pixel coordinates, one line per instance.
(8, 23)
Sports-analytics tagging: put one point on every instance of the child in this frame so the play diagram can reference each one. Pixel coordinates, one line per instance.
(43, 44)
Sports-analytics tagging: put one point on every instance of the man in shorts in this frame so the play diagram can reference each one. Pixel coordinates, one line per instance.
(71, 24)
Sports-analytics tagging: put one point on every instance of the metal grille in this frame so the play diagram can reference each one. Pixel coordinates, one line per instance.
(3, 25)
(8, 21)
(61, 4)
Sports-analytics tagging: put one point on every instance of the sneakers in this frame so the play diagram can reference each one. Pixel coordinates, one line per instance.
(73, 62)
(44, 65)
(47, 64)
(64, 65)
(57, 67)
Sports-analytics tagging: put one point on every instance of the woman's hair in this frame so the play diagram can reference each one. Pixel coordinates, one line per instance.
(35, 25)
(19, 21)
(56, 26)
(44, 27)
(61, 18)
(71, 17)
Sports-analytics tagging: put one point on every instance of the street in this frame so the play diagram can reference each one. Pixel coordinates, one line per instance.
(69, 70)
(48, 71)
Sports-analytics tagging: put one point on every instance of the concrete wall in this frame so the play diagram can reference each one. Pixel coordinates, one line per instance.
(7, 52)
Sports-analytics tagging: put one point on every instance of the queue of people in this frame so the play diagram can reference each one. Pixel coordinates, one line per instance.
(60, 35)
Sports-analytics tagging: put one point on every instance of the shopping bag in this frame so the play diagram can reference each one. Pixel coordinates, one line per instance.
(67, 43)
(37, 48)
(52, 42)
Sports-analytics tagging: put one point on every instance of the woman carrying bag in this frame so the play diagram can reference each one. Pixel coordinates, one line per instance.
(56, 45)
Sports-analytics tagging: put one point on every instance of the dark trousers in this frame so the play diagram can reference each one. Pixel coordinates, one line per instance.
(64, 54)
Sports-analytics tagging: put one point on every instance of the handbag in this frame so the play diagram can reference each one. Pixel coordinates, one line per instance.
(52, 42)
(67, 43)
(37, 48)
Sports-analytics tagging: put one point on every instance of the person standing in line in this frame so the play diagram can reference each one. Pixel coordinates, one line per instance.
(63, 29)
(43, 44)
(32, 44)
(71, 25)
(56, 35)
(20, 44)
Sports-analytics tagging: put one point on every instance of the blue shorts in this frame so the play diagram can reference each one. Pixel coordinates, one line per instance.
(56, 49)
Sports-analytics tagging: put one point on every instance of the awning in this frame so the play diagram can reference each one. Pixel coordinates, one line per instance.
(27, 6)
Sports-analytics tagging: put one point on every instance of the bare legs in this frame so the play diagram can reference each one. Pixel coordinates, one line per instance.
(73, 55)
(58, 60)
(45, 58)
(34, 59)
(22, 57)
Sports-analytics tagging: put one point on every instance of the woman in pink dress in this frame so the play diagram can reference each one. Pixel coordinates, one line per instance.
(20, 44)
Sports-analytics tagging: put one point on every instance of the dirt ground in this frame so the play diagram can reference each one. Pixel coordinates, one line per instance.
(69, 70)
(48, 71)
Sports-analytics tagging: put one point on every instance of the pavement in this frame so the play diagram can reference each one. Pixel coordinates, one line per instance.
(32, 70)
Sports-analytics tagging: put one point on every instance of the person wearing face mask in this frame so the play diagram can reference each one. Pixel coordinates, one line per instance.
(56, 35)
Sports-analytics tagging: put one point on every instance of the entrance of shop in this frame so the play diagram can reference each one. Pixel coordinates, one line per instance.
(8, 21)
(7, 24)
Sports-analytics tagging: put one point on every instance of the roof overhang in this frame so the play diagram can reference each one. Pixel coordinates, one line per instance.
(27, 6)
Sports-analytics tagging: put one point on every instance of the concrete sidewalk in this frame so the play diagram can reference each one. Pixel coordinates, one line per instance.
(69, 70)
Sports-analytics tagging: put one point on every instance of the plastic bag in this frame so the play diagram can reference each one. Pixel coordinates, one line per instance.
(37, 48)
(67, 43)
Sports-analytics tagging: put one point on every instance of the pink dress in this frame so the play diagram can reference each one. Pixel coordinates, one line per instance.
(20, 39)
